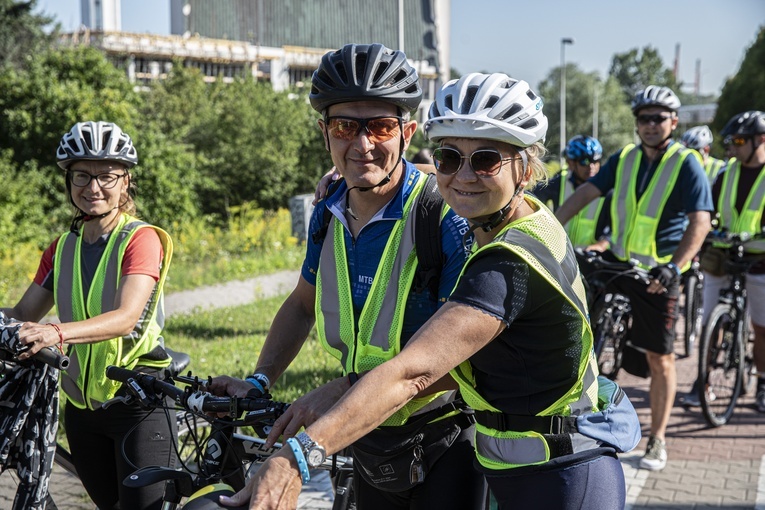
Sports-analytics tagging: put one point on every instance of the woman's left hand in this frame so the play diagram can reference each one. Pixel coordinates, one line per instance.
(37, 337)
(276, 485)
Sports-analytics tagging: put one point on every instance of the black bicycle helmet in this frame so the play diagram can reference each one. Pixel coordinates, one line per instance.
(96, 141)
(363, 72)
(654, 95)
(745, 124)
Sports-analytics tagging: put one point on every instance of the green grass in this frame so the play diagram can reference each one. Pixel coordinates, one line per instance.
(228, 341)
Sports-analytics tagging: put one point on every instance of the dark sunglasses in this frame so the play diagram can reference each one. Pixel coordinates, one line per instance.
(484, 162)
(587, 161)
(379, 129)
(652, 119)
(738, 141)
(106, 180)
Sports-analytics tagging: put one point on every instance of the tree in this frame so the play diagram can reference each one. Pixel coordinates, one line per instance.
(614, 117)
(635, 71)
(22, 32)
(744, 90)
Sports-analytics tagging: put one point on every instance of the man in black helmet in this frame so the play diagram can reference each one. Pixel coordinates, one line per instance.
(660, 214)
(359, 285)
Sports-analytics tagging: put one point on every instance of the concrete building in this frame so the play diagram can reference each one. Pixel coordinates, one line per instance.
(281, 41)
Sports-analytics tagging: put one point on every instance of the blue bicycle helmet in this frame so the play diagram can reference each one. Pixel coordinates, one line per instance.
(582, 146)
(745, 124)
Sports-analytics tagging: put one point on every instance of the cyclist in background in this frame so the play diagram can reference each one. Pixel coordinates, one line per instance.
(357, 281)
(660, 215)
(740, 199)
(105, 277)
(514, 331)
(589, 228)
(700, 139)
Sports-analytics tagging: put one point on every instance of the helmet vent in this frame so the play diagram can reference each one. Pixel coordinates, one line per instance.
(380, 71)
(120, 145)
(531, 94)
(105, 138)
(361, 64)
(530, 124)
(492, 101)
(340, 68)
(87, 139)
(467, 104)
(448, 103)
(514, 108)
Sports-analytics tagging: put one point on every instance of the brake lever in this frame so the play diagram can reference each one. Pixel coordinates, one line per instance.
(127, 400)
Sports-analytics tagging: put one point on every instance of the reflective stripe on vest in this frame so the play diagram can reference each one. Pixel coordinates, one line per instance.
(635, 222)
(581, 228)
(539, 240)
(84, 382)
(749, 220)
(377, 337)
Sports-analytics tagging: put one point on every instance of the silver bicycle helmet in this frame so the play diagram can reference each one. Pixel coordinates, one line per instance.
(363, 72)
(95, 141)
(654, 95)
(487, 106)
(697, 138)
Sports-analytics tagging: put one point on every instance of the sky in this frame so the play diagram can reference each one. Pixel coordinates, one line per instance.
(523, 38)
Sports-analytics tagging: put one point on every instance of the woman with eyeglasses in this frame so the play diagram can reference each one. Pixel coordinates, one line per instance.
(514, 332)
(105, 277)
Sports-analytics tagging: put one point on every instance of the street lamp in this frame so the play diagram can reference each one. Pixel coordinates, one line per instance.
(563, 42)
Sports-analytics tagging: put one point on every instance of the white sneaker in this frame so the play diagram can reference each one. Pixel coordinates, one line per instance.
(655, 457)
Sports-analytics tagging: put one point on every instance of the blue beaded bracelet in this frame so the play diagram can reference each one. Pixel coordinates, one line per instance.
(300, 457)
(257, 384)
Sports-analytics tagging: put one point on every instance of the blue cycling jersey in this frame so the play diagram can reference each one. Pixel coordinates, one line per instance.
(690, 194)
(365, 252)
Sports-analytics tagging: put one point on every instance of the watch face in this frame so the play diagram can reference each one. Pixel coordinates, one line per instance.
(316, 456)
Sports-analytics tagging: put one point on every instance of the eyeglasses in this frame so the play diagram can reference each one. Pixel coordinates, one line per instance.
(588, 161)
(105, 181)
(379, 129)
(738, 141)
(652, 119)
(484, 162)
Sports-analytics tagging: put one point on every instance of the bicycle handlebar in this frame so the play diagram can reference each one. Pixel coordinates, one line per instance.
(10, 347)
(196, 401)
(629, 269)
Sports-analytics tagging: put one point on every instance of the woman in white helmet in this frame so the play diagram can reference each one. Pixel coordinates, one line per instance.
(105, 276)
(514, 333)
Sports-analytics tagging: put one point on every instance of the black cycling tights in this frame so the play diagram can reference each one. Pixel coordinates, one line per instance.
(594, 484)
(451, 484)
(95, 438)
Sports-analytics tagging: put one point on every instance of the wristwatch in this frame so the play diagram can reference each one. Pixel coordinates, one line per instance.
(315, 454)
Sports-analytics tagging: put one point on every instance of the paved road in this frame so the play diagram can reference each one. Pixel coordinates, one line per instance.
(707, 468)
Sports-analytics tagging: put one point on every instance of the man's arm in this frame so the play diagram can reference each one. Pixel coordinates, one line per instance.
(699, 225)
(583, 195)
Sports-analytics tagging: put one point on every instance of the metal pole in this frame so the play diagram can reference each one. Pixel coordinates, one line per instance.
(595, 110)
(401, 25)
(563, 43)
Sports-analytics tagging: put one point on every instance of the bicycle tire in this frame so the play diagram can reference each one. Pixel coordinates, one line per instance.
(693, 312)
(720, 366)
(609, 337)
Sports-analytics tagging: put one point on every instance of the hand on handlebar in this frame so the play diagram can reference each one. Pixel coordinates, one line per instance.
(226, 386)
(307, 409)
(275, 486)
(35, 337)
(662, 277)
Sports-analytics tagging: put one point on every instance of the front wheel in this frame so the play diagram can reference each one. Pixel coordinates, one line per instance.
(610, 327)
(720, 365)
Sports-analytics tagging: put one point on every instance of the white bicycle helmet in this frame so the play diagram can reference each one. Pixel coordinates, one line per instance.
(95, 141)
(654, 95)
(487, 106)
(697, 137)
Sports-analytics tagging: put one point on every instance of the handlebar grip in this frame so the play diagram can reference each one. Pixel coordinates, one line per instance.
(52, 358)
(120, 374)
